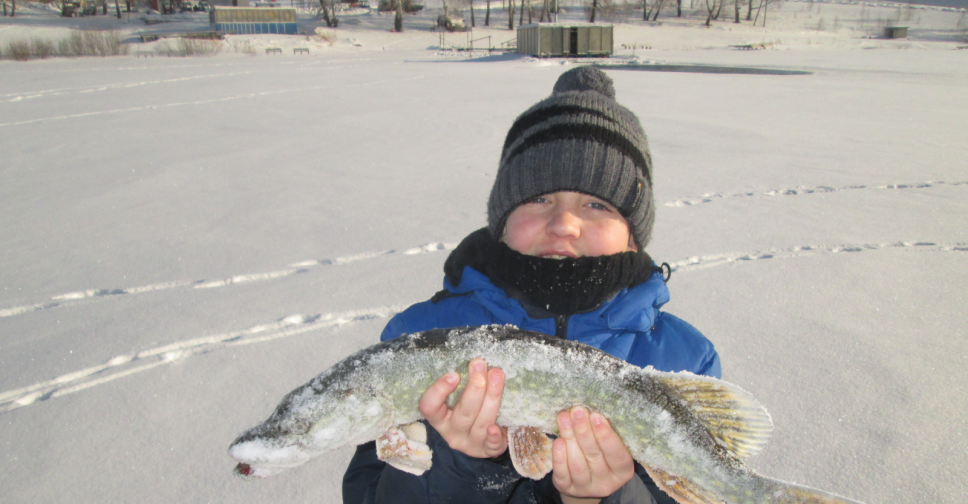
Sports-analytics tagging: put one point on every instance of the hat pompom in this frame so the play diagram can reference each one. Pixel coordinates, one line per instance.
(585, 78)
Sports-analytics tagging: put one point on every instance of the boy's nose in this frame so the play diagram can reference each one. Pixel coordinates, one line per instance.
(564, 223)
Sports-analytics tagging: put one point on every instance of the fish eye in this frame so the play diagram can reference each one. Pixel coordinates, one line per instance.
(299, 427)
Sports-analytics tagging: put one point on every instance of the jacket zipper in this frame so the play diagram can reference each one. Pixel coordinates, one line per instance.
(561, 326)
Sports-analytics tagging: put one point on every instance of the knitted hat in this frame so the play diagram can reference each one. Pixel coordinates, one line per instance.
(578, 139)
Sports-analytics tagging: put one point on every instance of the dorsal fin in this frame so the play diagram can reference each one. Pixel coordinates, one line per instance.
(736, 420)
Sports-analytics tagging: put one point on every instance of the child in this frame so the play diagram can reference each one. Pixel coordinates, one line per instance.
(569, 217)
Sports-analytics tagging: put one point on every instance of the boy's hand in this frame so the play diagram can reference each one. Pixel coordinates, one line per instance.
(589, 458)
(468, 428)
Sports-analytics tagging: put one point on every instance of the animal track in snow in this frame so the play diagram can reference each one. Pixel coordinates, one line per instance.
(804, 190)
(29, 95)
(709, 261)
(125, 365)
(299, 267)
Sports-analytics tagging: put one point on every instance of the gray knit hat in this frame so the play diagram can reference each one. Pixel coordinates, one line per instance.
(578, 139)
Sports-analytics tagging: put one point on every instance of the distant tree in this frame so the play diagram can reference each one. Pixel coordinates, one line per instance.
(710, 9)
(591, 17)
(510, 14)
(398, 17)
(763, 5)
(328, 9)
(117, 7)
(487, 14)
(656, 7)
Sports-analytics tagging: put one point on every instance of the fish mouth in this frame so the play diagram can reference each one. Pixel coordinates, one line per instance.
(244, 470)
(249, 471)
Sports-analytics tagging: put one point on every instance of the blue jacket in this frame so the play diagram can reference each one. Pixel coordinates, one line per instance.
(629, 326)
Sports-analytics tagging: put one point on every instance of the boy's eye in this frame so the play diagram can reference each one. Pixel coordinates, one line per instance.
(538, 199)
(598, 205)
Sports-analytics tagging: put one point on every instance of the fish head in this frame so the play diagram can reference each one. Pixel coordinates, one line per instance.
(305, 425)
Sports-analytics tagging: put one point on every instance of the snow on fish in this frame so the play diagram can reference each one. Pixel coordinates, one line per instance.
(691, 433)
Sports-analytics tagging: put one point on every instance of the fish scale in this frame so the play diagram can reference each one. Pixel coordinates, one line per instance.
(691, 433)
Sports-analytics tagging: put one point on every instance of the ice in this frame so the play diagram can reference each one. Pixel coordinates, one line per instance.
(149, 176)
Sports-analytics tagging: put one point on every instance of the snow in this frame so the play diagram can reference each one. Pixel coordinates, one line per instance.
(185, 240)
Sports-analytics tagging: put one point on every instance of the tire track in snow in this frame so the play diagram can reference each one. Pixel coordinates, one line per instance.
(805, 190)
(129, 364)
(73, 298)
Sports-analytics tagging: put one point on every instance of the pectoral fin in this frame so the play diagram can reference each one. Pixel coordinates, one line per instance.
(530, 451)
(405, 447)
(682, 490)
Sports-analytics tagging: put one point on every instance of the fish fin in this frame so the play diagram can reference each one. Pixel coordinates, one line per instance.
(736, 420)
(530, 451)
(684, 491)
(405, 448)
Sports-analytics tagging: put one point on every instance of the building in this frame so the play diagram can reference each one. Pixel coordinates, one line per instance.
(253, 20)
(555, 40)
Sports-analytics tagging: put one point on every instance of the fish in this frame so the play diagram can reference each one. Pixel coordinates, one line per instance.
(691, 433)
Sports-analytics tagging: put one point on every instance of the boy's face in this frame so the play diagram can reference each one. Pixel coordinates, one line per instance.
(567, 224)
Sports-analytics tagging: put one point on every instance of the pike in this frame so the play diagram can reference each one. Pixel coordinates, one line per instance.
(691, 433)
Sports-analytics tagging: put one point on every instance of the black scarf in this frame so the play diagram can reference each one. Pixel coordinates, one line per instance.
(562, 287)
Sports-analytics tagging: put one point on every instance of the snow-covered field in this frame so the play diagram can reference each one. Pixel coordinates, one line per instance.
(185, 240)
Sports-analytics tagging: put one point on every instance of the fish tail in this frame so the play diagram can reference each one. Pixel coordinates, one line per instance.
(781, 492)
(752, 489)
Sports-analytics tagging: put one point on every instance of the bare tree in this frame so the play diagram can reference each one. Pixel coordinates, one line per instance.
(487, 15)
(329, 13)
(591, 18)
(471, 2)
(763, 4)
(710, 8)
(656, 7)
(510, 14)
(398, 18)
(117, 7)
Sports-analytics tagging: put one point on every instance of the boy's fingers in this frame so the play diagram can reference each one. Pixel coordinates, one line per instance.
(433, 402)
(575, 464)
(491, 402)
(585, 437)
(496, 442)
(471, 399)
(559, 464)
(613, 450)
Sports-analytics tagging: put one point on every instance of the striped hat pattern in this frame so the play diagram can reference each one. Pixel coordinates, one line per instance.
(578, 139)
